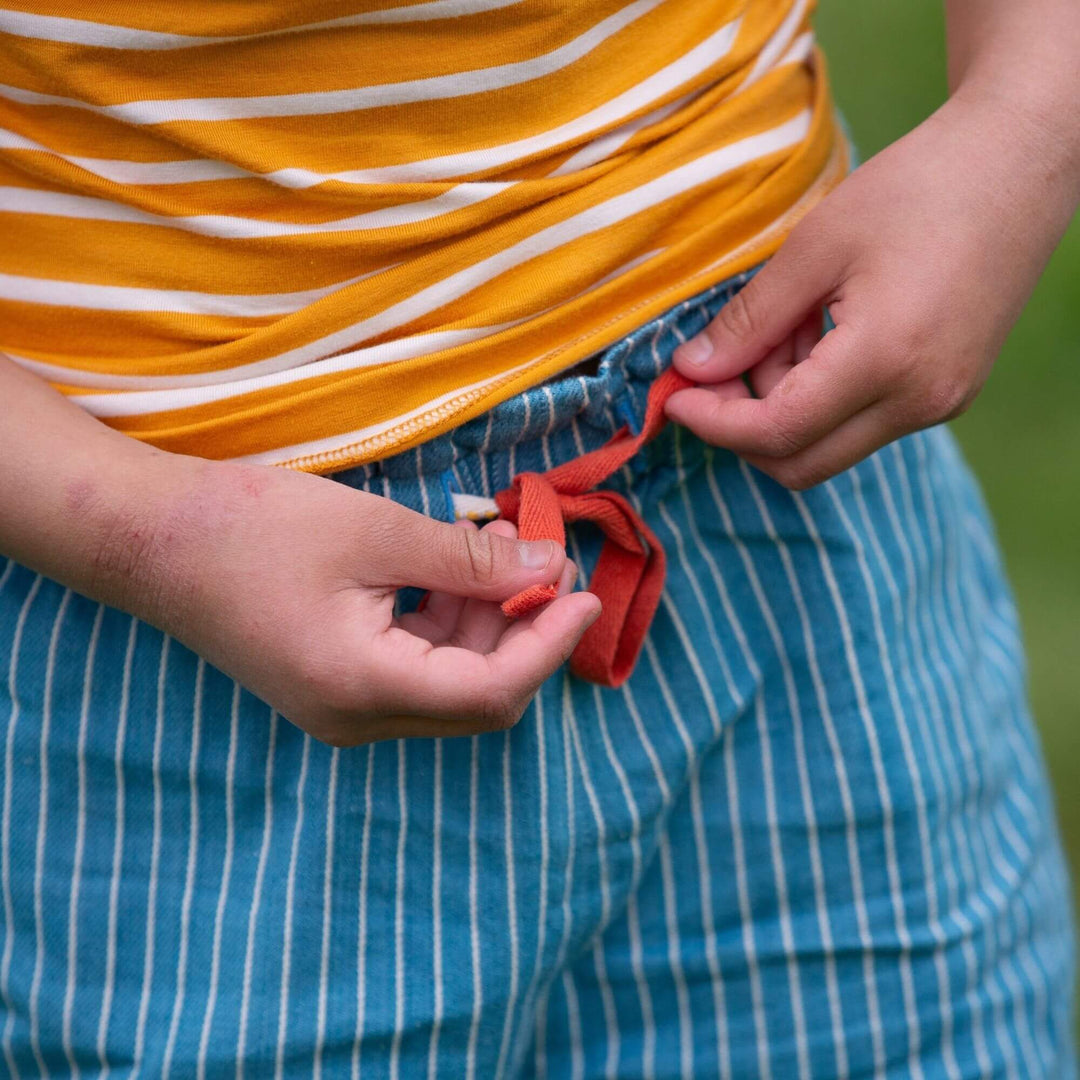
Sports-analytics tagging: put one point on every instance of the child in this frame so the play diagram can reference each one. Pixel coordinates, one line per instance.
(783, 814)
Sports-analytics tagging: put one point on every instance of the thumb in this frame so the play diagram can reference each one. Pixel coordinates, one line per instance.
(407, 548)
(763, 313)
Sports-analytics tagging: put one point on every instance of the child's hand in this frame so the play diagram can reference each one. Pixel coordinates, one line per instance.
(924, 256)
(284, 581)
(287, 583)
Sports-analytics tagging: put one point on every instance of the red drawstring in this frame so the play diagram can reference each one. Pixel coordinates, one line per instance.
(629, 575)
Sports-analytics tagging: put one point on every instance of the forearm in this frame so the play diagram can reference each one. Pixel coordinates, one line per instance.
(1024, 56)
(81, 503)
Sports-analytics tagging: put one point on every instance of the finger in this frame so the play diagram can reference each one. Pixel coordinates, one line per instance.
(794, 349)
(381, 728)
(766, 374)
(568, 578)
(731, 390)
(439, 612)
(482, 692)
(481, 622)
(812, 399)
(402, 547)
(500, 527)
(521, 624)
(857, 438)
(762, 314)
(421, 625)
(444, 609)
(409, 727)
(808, 334)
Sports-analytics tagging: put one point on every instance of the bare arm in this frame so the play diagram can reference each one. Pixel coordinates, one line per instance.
(78, 501)
(284, 581)
(1020, 59)
(1023, 51)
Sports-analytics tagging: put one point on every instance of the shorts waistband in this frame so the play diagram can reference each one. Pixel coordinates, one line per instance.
(547, 424)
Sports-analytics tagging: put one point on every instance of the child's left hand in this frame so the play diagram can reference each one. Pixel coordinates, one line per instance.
(924, 256)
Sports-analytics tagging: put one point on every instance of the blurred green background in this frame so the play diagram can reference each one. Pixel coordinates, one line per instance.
(887, 59)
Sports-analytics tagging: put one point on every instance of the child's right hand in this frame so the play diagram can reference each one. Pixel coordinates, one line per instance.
(287, 581)
(284, 581)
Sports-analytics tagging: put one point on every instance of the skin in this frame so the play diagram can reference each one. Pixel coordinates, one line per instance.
(283, 580)
(925, 257)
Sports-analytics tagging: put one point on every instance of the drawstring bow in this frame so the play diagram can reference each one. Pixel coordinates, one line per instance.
(629, 575)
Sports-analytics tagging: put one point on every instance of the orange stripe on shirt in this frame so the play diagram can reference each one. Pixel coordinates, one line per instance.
(317, 247)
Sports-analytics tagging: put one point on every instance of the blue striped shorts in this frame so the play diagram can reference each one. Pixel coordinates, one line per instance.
(811, 837)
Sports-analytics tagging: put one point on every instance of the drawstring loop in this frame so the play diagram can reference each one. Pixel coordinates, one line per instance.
(629, 575)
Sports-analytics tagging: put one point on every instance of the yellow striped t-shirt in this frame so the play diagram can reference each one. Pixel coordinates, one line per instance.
(316, 234)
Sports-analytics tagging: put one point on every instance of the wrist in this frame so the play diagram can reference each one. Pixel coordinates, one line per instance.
(133, 552)
(89, 507)
(1031, 161)
(1020, 59)
(1036, 120)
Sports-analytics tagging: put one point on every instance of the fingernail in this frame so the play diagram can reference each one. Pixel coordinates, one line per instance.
(535, 554)
(697, 350)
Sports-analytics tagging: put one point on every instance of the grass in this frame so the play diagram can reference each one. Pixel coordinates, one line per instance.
(887, 61)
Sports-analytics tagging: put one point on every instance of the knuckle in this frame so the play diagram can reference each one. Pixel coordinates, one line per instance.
(334, 726)
(338, 737)
(739, 317)
(786, 476)
(500, 709)
(803, 481)
(959, 409)
(480, 559)
(799, 476)
(957, 400)
(945, 399)
(903, 365)
(781, 440)
(327, 680)
(904, 412)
